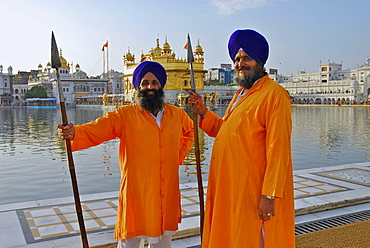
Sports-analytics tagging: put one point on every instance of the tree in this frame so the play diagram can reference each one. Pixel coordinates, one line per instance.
(35, 92)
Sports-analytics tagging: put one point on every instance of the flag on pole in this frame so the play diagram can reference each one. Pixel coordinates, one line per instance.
(105, 45)
(190, 50)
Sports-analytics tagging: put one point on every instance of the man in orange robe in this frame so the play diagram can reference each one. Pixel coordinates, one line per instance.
(154, 140)
(250, 200)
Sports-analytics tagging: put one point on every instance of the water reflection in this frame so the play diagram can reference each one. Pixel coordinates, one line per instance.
(33, 163)
(324, 136)
(188, 171)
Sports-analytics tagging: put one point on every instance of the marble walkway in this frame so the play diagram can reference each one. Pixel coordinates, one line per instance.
(319, 193)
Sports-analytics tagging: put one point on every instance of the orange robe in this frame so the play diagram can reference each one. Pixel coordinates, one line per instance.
(251, 157)
(149, 158)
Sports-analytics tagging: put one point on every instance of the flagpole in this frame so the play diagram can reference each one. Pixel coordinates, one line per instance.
(107, 58)
(196, 139)
(103, 62)
(55, 63)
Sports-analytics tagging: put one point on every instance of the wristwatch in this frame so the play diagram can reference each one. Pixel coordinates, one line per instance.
(270, 197)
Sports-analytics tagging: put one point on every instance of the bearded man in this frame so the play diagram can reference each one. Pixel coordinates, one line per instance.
(250, 200)
(154, 140)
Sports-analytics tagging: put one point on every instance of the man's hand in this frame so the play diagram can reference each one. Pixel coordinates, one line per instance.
(66, 132)
(195, 99)
(266, 208)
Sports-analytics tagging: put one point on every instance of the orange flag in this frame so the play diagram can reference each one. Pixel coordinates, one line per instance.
(105, 45)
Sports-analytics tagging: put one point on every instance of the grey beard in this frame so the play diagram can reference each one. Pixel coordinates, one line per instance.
(151, 103)
(248, 80)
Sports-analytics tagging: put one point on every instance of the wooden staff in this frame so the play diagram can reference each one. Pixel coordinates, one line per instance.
(55, 63)
(196, 138)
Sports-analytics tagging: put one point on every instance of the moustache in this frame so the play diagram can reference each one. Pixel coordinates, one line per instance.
(243, 68)
(145, 93)
(150, 90)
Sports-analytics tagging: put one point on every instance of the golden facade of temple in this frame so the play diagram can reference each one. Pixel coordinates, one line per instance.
(178, 70)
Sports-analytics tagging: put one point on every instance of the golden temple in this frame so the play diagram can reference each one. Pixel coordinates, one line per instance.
(178, 70)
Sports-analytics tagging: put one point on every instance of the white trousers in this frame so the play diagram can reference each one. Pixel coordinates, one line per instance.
(135, 242)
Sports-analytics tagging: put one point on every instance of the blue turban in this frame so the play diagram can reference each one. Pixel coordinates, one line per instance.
(149, 66)
(252, 43)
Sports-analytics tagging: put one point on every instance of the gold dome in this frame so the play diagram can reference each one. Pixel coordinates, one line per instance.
(105, 96)
(157, 50)
(198, 49)
(142, 56)
(63, 61)
(129, 56)
(166, 47)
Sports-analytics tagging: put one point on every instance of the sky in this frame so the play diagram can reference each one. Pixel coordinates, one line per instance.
(301, 33)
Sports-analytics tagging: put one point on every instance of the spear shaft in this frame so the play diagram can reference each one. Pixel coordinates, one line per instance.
(55, 63)
(196, 139)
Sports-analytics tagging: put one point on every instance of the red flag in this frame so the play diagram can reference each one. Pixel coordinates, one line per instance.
(186, 46)
(105, 45)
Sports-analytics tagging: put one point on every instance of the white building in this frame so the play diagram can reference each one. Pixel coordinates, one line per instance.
(6, 86)
(76, 84)
(20, 85)
(115, 85)
(221, 75)
(332, 84)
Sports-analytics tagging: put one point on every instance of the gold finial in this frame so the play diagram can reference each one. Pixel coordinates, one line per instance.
(157, 42)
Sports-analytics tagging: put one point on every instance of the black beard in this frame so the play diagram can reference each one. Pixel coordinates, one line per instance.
(248, 80)
(153, 102)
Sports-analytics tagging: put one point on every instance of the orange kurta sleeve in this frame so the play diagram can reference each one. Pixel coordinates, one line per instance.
(96, 132)
(187, 137)
(278, 134)
(211, 123)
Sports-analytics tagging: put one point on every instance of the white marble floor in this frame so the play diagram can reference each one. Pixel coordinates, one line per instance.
(319, 193)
